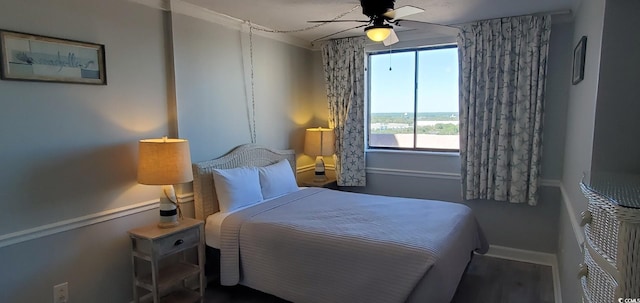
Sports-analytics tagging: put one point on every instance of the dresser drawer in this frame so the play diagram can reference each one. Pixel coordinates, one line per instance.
(594, 242)
(586, 295)
(603, 229)
(598, 284)
(179, 241)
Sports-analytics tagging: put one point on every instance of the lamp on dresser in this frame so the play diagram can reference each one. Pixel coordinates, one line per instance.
(319, 142)
(165, 162)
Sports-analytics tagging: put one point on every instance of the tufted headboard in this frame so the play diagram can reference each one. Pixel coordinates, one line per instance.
(206, 201)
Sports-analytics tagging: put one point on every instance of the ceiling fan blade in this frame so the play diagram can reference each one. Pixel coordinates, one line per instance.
(340, 32)
(327, 21)
(402, 12)
(392, 39)
(426, 26)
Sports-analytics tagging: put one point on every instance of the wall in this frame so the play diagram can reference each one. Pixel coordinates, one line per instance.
(437, 175)
(317, 104)
(617, 126)
(214, 101)
(69, 192)
(70, 151)
(589, 20)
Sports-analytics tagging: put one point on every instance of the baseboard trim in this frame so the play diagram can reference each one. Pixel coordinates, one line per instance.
(80, 222)
(577, 229)
(529, 256)
(521, 255)
(550, 182)
(557, 287)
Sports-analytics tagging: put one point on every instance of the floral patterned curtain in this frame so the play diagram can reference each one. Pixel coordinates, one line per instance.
(343, 61)
(503, 64)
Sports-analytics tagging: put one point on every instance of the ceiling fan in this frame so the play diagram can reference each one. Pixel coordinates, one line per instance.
(382, 18)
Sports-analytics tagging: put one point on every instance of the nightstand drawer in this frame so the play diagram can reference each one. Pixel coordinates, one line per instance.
(178, 241)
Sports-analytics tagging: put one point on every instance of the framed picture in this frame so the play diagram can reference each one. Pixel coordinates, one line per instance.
(578, 60)
(39, 58)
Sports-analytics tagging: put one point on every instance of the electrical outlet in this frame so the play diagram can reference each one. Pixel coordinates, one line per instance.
(61, 293)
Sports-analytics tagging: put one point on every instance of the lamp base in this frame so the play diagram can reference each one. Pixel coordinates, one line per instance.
(320, 178)
(168, 208)
(319, 171)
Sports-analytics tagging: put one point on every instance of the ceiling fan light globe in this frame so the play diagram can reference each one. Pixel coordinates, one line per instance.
(378, 34)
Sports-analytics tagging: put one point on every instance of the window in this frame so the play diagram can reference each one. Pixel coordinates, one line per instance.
(413, 99)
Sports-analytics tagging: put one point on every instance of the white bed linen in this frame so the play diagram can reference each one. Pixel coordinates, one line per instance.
(320, 245)
(212, 228)
(214, 222)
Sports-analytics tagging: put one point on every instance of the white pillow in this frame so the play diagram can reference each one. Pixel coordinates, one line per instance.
(237, 187)
(277, 179)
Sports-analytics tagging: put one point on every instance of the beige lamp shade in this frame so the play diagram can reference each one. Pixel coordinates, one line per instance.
(319, 142)
(164, 162)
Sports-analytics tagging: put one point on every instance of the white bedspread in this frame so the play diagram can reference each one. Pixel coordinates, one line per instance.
(214, 224)
(320, 245)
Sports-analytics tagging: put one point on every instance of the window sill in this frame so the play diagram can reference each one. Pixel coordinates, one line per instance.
(413, 152)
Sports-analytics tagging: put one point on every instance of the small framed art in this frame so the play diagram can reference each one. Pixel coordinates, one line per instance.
(578, 60)
(40, 58)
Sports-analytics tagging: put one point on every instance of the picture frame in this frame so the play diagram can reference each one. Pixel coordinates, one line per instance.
(578, 60)
(29, 57)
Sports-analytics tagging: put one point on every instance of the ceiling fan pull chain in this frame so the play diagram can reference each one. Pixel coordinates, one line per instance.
(389, 57)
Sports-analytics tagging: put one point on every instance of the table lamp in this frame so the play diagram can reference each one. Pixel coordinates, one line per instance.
(165, 162)
(319, 142)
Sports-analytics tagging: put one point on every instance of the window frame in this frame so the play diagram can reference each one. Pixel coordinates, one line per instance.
(415, 50)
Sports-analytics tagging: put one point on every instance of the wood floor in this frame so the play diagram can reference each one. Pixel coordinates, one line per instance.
(493, 280)
(487, 280)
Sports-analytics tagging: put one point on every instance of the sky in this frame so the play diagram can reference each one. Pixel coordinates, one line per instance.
(392, 91)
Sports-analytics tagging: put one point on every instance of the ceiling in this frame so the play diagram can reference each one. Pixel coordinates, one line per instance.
(293, 14)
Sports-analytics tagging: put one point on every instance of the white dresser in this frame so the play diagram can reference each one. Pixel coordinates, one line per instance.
(611, 267)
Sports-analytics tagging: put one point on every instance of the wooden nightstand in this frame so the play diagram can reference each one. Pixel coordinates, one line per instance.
(329, 183)
(162, 267)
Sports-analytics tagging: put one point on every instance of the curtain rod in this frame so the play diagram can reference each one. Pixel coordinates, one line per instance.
(551, 13)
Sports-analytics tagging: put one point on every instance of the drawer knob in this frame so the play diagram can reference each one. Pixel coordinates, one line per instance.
(178, 242)
(586, 217)
(584, 270)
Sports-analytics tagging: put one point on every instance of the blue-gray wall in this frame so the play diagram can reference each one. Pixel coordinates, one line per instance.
(211, 65)
(615, 147)
(69, 192)
(69, 150)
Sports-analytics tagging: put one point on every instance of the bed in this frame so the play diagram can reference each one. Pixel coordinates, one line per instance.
(323, 245)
